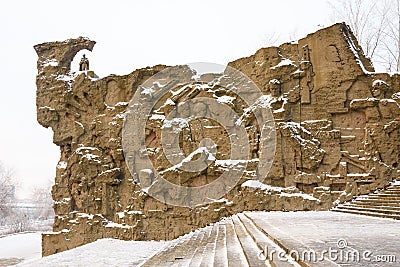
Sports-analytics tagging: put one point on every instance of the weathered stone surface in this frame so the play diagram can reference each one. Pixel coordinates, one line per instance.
(337, 135)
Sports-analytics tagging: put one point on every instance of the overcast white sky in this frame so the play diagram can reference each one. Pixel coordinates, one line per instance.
(129, 35)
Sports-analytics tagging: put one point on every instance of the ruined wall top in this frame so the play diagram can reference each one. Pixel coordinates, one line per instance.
(60, 54)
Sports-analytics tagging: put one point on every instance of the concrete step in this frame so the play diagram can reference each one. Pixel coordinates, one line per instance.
(198, 253)
(171, 254)
(234, 249)
(251, 251)
(190, 250)
(384, 194)
(351, 204)
(387, 192)
(393, 189)
(383, 197)
(267, 245)
(221, 257)
(377, 200)
(233, 241)
(374, 214)
(371, 200)
(370, 209)
(180, 255)
(209, 250)
(382, 203)
(375, 204)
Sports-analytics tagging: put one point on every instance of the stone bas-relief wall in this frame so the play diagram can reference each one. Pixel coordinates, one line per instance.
(337, 135)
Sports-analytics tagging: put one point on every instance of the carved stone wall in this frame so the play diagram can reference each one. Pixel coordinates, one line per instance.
(337, 135)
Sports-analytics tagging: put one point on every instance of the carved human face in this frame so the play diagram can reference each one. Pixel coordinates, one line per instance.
(274, 87)
(275, 90)
(376, 92)
(379, 89)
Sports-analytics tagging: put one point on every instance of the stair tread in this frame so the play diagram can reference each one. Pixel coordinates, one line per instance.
(384, 211)
(181, 252)
(251, 251)
(265, 244)
(383, 207)
(221, 258)
(198, 253)
(167, 256)
(376, 214)
(378, 201)
(235, 252)
(209, 250)
(381, 203)
(185, 252)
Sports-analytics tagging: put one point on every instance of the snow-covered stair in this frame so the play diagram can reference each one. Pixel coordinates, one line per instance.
(384, 203)
(233, 241)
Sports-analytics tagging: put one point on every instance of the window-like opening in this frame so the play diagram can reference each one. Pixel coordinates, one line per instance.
(77, 59)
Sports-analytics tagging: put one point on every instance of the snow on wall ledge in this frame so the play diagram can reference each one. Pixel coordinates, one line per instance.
(337, 137)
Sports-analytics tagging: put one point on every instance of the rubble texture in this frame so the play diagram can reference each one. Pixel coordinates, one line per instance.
(337, 136)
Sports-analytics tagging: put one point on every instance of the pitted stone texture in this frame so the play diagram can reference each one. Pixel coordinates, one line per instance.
(337, 128)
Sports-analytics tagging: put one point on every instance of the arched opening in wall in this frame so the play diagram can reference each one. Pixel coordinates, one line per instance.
(77, 59)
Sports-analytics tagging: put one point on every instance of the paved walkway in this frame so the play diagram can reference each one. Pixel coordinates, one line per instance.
(333, 238)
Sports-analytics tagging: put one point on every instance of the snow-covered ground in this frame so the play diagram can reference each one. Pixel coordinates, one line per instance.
(24, 249)
(297, 231)
(27, 226)
(20, 247)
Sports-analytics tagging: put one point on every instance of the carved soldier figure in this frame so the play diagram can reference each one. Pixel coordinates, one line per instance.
(381, 129)
(84, 63)
(275, 87)
(254, 142)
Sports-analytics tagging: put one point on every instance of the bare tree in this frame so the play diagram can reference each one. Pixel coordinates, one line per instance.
(19, 221)
(7, 188)
(376, 25)
(43, 200)
(18, 216)
(391, 44)
(271, 39)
